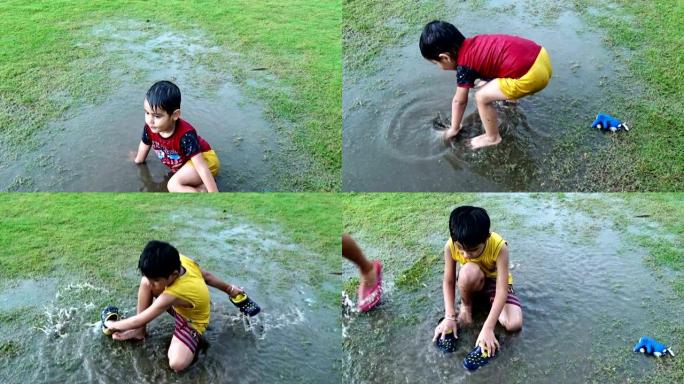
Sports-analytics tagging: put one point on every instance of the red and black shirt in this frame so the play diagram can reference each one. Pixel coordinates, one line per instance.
(494, 56)
(174, 151)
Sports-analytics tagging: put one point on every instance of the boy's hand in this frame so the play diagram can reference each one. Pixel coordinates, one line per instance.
(234, 290)
(444, 327)
(487, 340)
(450, 134)
(109, 324)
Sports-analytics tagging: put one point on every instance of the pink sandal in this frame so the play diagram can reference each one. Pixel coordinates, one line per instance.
(370, 297)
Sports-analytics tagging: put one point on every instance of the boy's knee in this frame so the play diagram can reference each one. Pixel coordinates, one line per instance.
(172, 185)
(144, 282)
(177, 365)
(470, 276)
(513, 325)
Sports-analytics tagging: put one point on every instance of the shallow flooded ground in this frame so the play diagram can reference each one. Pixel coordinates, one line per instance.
(587, 292)
(91, 148)
(51, 325)
(388, 140)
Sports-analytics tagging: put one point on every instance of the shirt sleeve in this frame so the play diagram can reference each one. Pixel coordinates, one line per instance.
(145, 137)
(466, 76)
(189, 144)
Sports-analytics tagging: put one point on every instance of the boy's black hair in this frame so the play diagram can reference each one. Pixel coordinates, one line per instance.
(469, 226)
(165, 95)
(440, 37)
(159, 259)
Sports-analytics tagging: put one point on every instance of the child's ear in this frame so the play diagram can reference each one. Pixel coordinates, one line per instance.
(445, 58)
(176, 114)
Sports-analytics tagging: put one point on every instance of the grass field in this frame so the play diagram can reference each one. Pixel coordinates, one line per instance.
(44, 72)
(101, 235)
(649, 158)
(407, 232)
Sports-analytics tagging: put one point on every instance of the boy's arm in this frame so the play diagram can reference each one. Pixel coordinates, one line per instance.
(448, 290)
(458, 106)
(449, 283)
(487, 332)
(204, 172)
(159, 306)
(219, 284)
(143, 150)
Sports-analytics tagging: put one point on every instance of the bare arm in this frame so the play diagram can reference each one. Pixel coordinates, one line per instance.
(143, 150)
(458, 106)
(204, 172)
(159, 306)
(501, 289)
(449, 291)
(219, 284)
(449, 283)
(487, 337)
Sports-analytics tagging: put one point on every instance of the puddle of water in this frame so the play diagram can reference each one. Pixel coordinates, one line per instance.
(296, 337)
(585, 293)
(388, 143)
(90, 149)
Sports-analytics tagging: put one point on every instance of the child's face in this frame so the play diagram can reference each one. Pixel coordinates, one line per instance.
(470, 252)
(159, 120)
(445, 62)
(159, 284)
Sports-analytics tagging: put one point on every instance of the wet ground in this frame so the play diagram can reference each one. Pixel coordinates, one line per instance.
(295, 338)
(587, 298)
(90, 149)
(389, 143)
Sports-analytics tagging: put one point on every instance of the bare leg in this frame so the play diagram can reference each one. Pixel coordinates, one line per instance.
(180, 356)
(511, 317)
(470, 281)
(485, 97)
(352, 252)
(145, 298)
(186, 180)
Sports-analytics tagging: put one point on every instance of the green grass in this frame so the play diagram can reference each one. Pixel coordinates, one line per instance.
(43, 72)
(371, 26)
(649, 157)
(101, 235)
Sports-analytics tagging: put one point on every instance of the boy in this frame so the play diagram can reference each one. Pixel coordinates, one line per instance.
(173, 283)
(483, 259)
(517, 67)
(193, 163)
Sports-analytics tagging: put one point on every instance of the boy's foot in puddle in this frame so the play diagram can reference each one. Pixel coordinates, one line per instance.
(132, 334)
(484, 141)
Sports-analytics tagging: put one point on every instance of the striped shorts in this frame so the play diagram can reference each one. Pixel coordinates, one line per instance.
(490, 291)
(185, 333)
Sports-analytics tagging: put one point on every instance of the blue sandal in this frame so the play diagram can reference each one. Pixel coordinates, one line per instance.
(477, 358)
(109, 313)
(245, 304)
(448, 344)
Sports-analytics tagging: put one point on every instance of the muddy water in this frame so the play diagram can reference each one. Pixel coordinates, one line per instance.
(587, 297)
(91, 148)
(296, 337)
(388, 141)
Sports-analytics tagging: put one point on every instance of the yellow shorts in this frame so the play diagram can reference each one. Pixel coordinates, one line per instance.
(536, 78)
(212, 161)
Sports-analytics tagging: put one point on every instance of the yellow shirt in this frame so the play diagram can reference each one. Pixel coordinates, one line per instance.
(487, 260)
(191, 287)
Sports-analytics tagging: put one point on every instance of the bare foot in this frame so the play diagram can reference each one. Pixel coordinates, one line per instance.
(131, 334)
(465, 316)
(484, 141)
